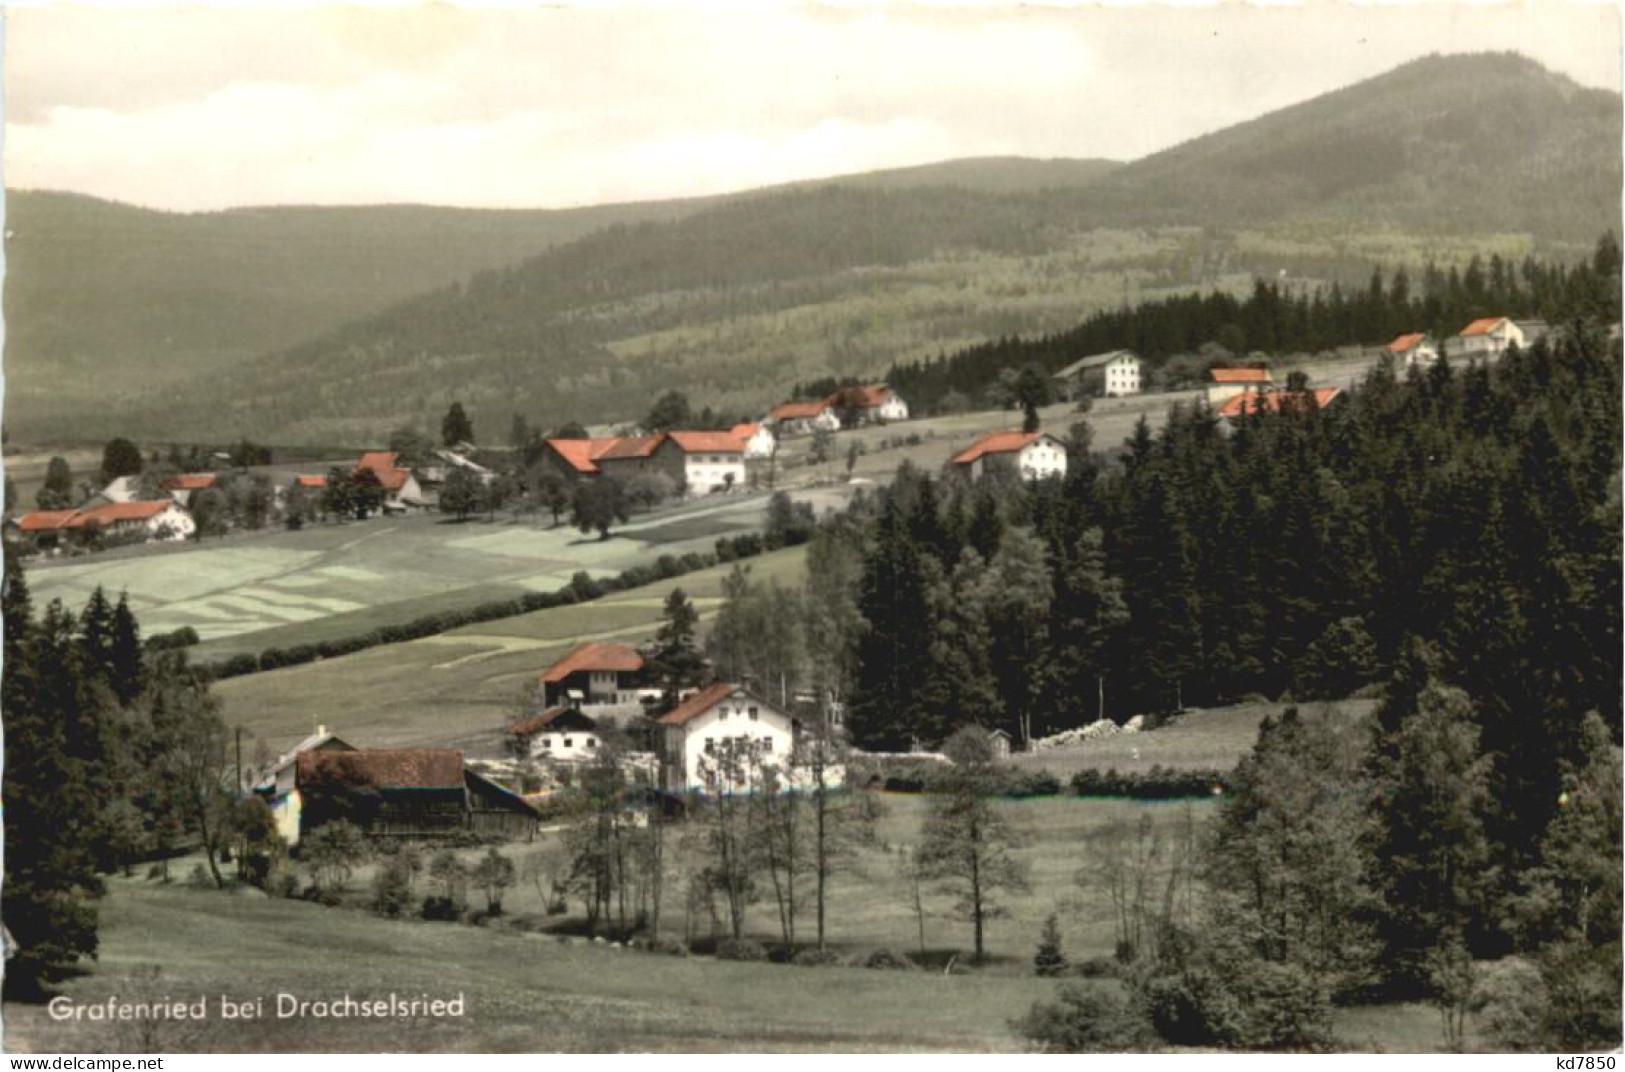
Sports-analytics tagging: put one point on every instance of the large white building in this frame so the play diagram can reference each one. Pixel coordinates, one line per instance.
(704, 461)
(1029, 455)
(1113, 374)
(1413, 349)
(718, 739)
(1486, 339)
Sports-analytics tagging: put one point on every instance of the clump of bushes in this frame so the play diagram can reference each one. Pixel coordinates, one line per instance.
(741, 949)
(1086, 1019)
(668, 947)
(888, 960)
(816, 958)
(1158, 783)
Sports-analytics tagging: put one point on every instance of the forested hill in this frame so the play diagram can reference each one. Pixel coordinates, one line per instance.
(737, 301)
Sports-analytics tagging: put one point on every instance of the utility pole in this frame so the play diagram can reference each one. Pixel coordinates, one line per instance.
(239, 761)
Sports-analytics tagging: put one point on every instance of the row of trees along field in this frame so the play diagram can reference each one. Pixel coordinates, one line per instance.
(1279, 319)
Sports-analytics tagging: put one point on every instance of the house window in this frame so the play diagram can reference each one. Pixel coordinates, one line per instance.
(567, 742)
(547, 742)
(722, 712)
(753, 714)
(592, 742)
(710, 746)
(767, 744)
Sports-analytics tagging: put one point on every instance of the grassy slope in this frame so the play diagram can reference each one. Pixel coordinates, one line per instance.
(457, 688)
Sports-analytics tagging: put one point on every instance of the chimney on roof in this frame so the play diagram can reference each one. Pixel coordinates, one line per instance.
(321, 731)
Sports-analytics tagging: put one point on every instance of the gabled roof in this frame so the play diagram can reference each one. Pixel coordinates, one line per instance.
(382, 463)
(481, 787)
(998, 443)
(1406, 343)
(309, 480)
(699, 703)
(1239, 375)
(562, 717)
(601, 655)
(45, 520)
(578, 453)
(1275, 401)
(377, 459)
(322, 738)
(1483, 326)
(746, 430)
(870, 396)
(383, 768)
(190, 482)
(801, 410)
(1094, 361)
(706, 442)
(110, 513)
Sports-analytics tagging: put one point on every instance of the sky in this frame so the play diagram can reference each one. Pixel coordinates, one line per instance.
(204, 107)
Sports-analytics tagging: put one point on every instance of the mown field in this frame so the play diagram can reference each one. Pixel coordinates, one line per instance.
(457, 688)
(250, 592)
(531, 991)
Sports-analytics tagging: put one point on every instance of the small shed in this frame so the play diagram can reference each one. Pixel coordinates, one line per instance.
(998, 742)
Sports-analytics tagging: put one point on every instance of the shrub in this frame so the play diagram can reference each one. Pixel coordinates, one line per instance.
(1049, 961)
(392, 888)
(1283, 1007)
(1192, 1009)
(888, 960)
(740, 949)
(668, 947)
(1095, 968)
(1158, 783)
(1092, 1019)
(1510, 1004)
(816, 958)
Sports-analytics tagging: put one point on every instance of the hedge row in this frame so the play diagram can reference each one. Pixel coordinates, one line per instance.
(581, 589)
(902, 774)
(1158, 783)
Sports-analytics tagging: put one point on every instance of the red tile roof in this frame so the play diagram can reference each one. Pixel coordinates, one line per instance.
(627, 447)
(1239, 375)
(45, 520)
(1274, 401)
(994, 443)
(1482, 326)
(189, 482)
(541, 721)
(384, 768)
(699, 703)
(390, 476)
(746, 430)
(111, 513)
(601, 655)
(306, 480)
(377, 459)
(578, 453)
(1404, 343)
(793, 411)
(707, 442)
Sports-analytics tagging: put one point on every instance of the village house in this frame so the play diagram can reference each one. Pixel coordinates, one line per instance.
(315, 482)
(46, 529)
(704, 462)
(1112, 374)
(1029, 455)
(724, 726)
(559, 734)
(401, 488)
(573, 458)
(599, 676)
(120, 489)
(278, 786)
(405, 792)
(1226, 383)
(1277, 401)
(758, 438)
(798, 418)
(872, 404)
(1412, 349)
(1486, 338)
(182, 487)
(626, 456)
(153, 520)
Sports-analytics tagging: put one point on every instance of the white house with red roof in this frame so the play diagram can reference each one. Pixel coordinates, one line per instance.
(1029, 455)
(703, 462)
(868, 404)
(562, 734)
(1486, 338)
(401, 488)
(758, 438)
(719, 737)
(596, 673)
(183, 486)
(1412, 349)
(803, 417)
(1226, 383)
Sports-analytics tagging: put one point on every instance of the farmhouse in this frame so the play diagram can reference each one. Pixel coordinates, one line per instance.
(46, 528)
(1226, 383)
(405, 792)
(759, 440)
(559, 734)
(277, 784)
(803, 417)
(703, 462)
(1487, 338)
(717, 736)
(627, 456)
(596, 674)
(1413, 349)
(572, 458)
(182, 487)
(156, 519)
(1277, 401)
(872, 404)
(1030, 455)
(401, 488)
(1112, 374)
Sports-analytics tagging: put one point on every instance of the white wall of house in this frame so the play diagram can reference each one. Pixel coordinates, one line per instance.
(170, 523)
(737, 718)
(566, 746)
(761, 444)
(1122, 376)
(1043, 457)
(1489, 345)
(893, 409)
(1422, 354)
(704, 473)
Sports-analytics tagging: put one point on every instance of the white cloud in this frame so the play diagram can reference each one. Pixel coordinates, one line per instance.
(197, 108)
